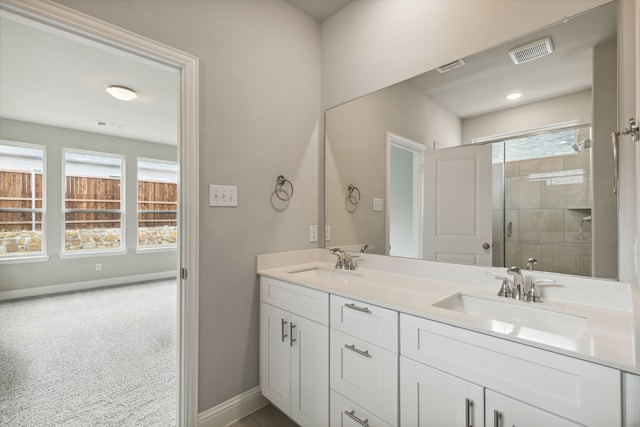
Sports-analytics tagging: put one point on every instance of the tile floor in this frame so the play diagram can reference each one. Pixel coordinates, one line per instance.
(269, 416)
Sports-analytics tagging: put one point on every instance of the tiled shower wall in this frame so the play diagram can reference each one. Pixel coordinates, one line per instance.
(545, 200)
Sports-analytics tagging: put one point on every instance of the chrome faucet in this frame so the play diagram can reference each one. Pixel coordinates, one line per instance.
(341, 257)
(518, 283)
(364, 248)
(530, 263)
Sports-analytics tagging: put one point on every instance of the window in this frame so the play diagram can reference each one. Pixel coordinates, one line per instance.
(157, 203)
(22, 205)
(93, 202)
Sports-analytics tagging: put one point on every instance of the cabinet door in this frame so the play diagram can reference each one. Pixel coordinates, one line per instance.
(433, 398)
(275, 356)
(309, 372)
(503, 411)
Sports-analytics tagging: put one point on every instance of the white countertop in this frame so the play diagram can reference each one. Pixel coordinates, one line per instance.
(610, 336)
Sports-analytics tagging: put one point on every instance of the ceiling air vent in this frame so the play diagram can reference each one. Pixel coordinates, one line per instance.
(531, 51)
(451, 66)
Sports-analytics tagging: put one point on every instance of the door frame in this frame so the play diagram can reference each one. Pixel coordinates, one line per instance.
(188, 149)
(417, 150)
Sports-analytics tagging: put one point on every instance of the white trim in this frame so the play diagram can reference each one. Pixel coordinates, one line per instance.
(89, 284)
(188, 161)
(156, 250)
(233, 409)
(516, 134)
(92, 254)
(24, 259)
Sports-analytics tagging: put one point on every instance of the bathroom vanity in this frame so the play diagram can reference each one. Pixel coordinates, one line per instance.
(406, 343)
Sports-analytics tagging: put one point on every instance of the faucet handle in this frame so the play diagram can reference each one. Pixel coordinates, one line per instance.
(505, 288)
(531, 262)
(532, 294)
(351, 262)
(341, 258)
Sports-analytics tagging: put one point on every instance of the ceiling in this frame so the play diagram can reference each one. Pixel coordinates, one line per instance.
(320, 10)
(481, 86)
(53, 77)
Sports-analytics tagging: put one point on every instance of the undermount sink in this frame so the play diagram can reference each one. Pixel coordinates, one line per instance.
(326, 274)
(516, 317)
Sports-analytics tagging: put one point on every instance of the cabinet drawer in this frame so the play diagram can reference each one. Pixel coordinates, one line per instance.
(572, 388)
(306, 302)
(369, 322)
(366, 374)
(345, 413)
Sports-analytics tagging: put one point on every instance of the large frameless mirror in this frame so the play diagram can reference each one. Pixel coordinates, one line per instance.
(453, 165)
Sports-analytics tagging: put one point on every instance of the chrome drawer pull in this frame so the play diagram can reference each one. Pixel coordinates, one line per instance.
(497, 418)
(352, 347)
(283, 328)
(292, 334)
(355, 307)
(351, 414)
(468, 412)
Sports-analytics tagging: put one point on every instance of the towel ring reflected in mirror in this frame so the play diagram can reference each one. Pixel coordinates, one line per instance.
(353, 195)
(281, 191)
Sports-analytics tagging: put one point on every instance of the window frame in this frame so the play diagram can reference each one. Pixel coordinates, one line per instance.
(163, 248)
(122, 250)
(41, 256)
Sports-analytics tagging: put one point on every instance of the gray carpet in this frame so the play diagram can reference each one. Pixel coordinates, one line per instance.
(105, 357)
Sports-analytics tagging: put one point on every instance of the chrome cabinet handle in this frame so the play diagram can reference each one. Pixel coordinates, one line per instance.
(364, 353)
(509, 229)
(351, 414)
(468, 412)
(497, 418)
(292, 325)
(355, 307)
(283, 328)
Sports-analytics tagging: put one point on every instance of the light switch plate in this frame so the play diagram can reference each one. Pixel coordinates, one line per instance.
(313, 233)
(327, 232)
(378, 204)
(223, 195)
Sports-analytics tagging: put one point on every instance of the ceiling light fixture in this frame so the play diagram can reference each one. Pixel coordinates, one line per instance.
(514, 96)
(122, 93)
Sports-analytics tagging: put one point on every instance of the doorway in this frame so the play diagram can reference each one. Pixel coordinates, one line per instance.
(405, 178)
(185, 263)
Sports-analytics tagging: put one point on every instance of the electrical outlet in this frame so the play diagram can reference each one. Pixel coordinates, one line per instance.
(313, 233)
(327, 233)
(98, 267)
(223, 195)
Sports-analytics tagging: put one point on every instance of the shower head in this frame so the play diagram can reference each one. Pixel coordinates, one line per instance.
(578, 146)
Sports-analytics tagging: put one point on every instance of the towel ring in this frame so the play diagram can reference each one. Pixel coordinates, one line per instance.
(281, 181)
(354, 194)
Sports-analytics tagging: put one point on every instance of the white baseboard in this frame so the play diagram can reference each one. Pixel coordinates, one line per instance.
(233, 409)
(90, 284)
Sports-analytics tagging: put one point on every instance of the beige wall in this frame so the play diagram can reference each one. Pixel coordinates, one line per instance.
(356, 154)
(576, 106)
(259, 115)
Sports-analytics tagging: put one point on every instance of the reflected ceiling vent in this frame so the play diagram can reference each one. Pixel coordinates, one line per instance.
(531, 51)
(111, 125)
(451, 66)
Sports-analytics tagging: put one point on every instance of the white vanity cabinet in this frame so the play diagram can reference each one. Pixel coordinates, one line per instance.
(503, 411)
(364, 363)
(556, 388)
(294, 351)
(433, 398)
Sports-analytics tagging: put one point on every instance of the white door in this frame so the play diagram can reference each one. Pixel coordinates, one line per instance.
(503, 411)
(275, 357)
(309, 372)
(433, 398)
(458, 205)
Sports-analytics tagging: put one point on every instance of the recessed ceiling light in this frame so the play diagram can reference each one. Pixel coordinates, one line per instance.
(514, 96)
(122, 93)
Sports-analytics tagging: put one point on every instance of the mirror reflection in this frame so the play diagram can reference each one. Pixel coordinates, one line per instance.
(494, 159)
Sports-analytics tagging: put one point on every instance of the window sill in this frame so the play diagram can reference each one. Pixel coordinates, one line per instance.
(92, 254)
(155, 250)
(24, 259)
